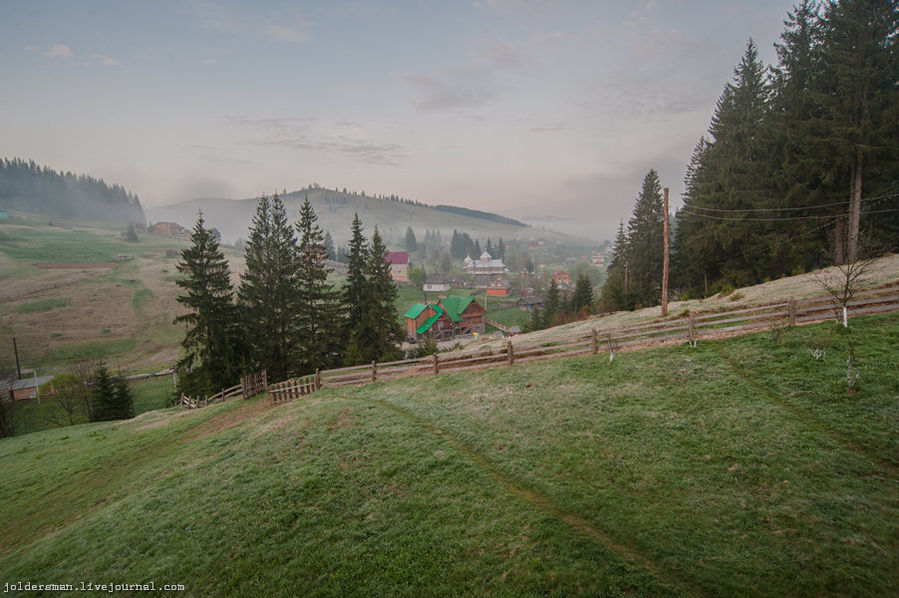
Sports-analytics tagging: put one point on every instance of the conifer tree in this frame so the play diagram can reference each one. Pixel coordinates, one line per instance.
(613, 290)
(103, 403)
(582, 298)
(411, 243)
(381, 331)
(317, 322)
(212, 344)
(860, 102)
(329, 246)
(355, 291)
(123, 399)
(267, 293)
(644, 243)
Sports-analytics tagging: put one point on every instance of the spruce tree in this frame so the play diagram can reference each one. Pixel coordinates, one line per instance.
(613, 290)
(582, 298)
(381, 331)
(267, 293)
(860, 103)
(212, 344)
(729, 177)
(103, 399)
(644, 244)
(355, 293)
(318, 321)
(123, 399)
(411, 243)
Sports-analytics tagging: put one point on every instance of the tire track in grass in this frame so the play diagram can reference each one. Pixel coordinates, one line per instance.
(546, 504)
(808, 419)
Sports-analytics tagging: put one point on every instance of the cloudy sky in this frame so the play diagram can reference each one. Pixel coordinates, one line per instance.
(530, 108)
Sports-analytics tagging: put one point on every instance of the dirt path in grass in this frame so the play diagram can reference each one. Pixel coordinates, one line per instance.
(808, 419)
(546, 504)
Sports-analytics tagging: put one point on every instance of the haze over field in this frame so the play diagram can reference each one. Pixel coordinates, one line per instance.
(532, 109)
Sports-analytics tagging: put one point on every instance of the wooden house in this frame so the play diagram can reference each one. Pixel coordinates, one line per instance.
(450, 317)
(399, 265)
(499, 287)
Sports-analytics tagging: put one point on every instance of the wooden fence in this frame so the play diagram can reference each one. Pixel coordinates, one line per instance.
(691, 329)
(294, 388)
(249, 386)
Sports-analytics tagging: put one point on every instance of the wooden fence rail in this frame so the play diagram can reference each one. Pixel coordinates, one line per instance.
(689, 328)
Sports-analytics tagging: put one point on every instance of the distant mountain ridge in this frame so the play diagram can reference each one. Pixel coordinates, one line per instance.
(27, 187)
(335, 209)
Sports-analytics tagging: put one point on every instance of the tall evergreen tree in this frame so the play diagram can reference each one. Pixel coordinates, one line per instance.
(329, 246)
(381, 331)
(860, 102)
(212, 344)
(267, 293)
(411, 243)
(731, 178)
(582, 298)
(614, 288)
(355, 292)
(644, 243)
(318, 317)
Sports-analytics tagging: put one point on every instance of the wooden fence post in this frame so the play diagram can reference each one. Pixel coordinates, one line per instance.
(595, 341)
(374, 371)
(318, 380)
(510, 355)
(264, 381)
(436, 364)
(792, 312)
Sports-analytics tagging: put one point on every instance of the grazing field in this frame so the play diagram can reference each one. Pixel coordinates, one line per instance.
(120, 312)
(740, 467)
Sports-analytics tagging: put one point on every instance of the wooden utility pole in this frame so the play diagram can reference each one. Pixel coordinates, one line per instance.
(665, 258)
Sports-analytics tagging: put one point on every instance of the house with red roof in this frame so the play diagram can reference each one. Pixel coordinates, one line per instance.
(399, 265)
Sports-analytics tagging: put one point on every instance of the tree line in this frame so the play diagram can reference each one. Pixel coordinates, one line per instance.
(799, 170)
(28, 187)
(285, 316)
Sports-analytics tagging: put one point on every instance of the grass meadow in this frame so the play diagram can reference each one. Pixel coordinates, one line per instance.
(742, 467)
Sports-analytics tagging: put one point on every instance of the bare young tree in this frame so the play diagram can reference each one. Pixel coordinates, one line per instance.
(843, 284)
(66, 392)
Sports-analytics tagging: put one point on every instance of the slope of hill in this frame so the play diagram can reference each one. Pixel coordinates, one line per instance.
(741, 467)
(28, 187)
(335, 210)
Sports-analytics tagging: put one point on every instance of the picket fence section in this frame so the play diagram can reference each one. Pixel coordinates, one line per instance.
(249, 386)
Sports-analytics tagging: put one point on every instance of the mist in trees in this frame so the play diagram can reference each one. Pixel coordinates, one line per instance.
(28, 187)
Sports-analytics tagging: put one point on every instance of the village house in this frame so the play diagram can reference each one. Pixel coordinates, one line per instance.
(561, 276)
(436, 283)
(399, 265)
(450, 317)
(530, 303)
(499, 287)
(169, 229)
(484, 269)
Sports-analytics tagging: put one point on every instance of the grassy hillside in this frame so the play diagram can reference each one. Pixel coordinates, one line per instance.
(741, 467)
(121, 312)
(335, 212)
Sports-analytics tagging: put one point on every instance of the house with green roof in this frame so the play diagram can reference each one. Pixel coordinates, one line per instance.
(451, 317)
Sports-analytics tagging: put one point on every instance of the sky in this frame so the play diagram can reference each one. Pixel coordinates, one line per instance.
(545, 110)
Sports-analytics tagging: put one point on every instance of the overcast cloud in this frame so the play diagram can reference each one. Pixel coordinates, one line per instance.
(533, 109)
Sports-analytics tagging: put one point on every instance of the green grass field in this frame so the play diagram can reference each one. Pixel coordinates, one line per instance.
(739, 468)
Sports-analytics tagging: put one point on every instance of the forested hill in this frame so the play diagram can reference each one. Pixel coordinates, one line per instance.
(28, 187)
(335, 209)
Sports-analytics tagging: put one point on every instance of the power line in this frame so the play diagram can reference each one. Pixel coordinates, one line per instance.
(781, 218)
(747, 219)
(792, 208)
